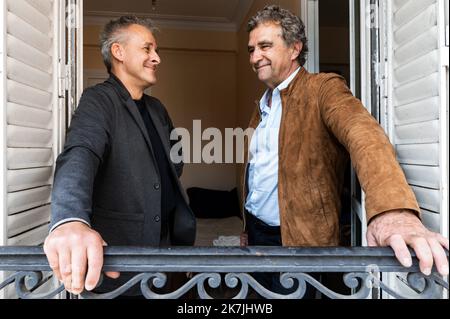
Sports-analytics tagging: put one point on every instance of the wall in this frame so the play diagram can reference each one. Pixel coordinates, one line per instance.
(196, 80)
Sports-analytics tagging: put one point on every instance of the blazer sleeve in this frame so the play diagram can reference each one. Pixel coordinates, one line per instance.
(371, 152)
(86, 145)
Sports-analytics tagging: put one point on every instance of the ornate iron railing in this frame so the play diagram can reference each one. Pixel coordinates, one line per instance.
(232, 268)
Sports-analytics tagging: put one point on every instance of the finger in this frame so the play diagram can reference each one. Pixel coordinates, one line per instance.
(401, 250)
(439, 256)
(423, 253)
(95, 264)
(79, 263)
(53, 261)
(111, 274)
(65, 266)
(442, 240)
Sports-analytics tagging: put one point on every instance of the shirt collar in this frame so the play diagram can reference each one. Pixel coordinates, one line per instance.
(281, 86)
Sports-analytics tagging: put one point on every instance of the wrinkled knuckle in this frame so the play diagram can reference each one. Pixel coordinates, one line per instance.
(78, 270)
(66, 272)
(94, 238)
(77, 287)
(54, 266)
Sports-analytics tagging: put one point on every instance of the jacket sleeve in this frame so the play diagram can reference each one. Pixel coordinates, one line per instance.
(372, 155)
(76, 167)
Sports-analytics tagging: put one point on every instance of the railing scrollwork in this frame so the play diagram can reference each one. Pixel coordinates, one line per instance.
(232, 268)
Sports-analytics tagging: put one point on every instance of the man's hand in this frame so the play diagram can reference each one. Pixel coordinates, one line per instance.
(244, 239)
(400, 229)
(75, 254)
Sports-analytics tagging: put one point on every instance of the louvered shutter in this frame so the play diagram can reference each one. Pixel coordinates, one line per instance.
(417, 111)
(29, 106)
(419, 103)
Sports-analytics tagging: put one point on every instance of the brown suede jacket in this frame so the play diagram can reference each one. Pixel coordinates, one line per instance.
(322, 123)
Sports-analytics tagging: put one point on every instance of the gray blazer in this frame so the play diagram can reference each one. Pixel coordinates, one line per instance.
(107, 175)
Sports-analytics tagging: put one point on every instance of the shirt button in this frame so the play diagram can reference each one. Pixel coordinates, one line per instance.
(157, 186)
(157, 218)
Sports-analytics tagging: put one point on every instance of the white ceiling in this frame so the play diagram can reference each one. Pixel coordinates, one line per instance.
(226, 15)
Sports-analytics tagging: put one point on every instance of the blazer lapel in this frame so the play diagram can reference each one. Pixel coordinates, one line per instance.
(158, 125)
(162, 135)
(132, 109)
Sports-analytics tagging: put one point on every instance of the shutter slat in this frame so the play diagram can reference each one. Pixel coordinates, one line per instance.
(44, 6)
(21, 51)
(421, 45)
(428, 199)
(410, 10)
(431, 220)
(421, 111)
(28, 199)
(28, 75)
(32, 238)
(19, 136)
(417, 90)
(418, 68)
(421, 154)
(25, 32)
(30, 15)
(19, 158)
(417, 133)
(399, 3)
(29, 178)
(28, 116)
(26, 221)
(416, 26)
(22, 94)
(425, 176)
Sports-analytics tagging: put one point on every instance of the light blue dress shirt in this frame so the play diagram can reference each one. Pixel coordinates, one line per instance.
(262, 199)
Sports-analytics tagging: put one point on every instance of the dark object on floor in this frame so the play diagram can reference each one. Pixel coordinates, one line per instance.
(208, 203)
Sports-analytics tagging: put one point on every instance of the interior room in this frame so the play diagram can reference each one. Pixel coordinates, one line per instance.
(205, 75)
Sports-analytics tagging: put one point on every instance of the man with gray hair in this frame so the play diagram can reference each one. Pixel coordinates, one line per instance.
(294, 180)
(114, 182)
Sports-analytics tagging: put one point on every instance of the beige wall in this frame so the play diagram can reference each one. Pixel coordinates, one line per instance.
(196, 80)
(203, 75)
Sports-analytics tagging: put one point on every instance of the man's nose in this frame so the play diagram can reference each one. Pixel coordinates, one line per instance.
(155, 58)
(255, 57)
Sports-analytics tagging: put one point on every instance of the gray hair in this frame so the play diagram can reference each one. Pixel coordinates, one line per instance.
(293, 29)
(112, 33)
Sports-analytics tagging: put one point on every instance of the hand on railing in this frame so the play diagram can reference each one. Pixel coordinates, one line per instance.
(75, 254)
(244, 239)
(400, 229)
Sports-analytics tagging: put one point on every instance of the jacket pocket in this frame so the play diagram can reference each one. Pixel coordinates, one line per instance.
(320, 199)
(119, 229)
(111, 214)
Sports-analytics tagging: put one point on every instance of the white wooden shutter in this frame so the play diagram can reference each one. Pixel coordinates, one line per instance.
(29, 118)
(417, 102)
(419, 98)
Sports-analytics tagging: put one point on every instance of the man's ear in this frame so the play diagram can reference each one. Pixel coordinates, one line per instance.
(118, 52)
(297, 49)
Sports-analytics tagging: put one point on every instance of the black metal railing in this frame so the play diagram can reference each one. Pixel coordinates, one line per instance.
(212, 269)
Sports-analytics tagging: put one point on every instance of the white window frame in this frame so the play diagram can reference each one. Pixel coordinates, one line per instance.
(309, 13)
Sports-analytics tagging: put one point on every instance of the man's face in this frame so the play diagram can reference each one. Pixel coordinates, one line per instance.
(140, 57)
(270, 57)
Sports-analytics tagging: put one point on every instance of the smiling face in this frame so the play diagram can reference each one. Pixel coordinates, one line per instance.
(271, 58)
(136, 59)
